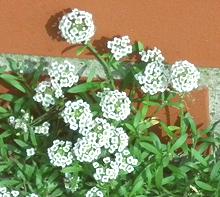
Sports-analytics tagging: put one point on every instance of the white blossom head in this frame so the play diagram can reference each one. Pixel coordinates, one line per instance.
(118, 141)
(30, 152)
(60, 153)
(120, 47)
(22, 122)
(154, 79)
(4, 192)
(184, 76)
(115, 105)
(110, 167)
(47, 93)
(94, 192)
(86, 149)
(76, 113)
(42, 129)
(62, 74)
(152, 55)
(71, 182)
(99, 128)
(77, 27)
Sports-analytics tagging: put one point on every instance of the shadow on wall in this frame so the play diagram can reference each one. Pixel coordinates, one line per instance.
(54, 32)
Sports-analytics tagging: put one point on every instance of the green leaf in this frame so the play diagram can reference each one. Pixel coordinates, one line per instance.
(192, 123)
(13, 81)
(140, 46)
(80, 50)
(150, 148)
(204, 186)
(21, 143)
(179, 142)
(215, 173)
(138, 186)
(85, 87)
(8, 182)
(137, 119)
(2, 69)
(7, 97)
(159, 176)
(91, 75)
(198, 157)
(3, 110)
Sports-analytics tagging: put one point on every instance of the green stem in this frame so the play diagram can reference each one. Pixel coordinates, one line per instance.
(104, 64)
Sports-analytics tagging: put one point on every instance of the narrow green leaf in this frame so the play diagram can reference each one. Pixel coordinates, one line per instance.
(204, 186)
(179, 143)
(3, 110)
(215, 173)
(91, 75)
(12, 80)
(84, 87)
(150, 148)
(159, 176)
(80, 50)
(7, 97)
(198, 157)
(21, 143)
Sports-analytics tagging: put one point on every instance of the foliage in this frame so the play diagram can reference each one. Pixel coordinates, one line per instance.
(33, 135)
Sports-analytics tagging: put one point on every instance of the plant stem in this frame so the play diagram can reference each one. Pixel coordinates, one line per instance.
(103, 62)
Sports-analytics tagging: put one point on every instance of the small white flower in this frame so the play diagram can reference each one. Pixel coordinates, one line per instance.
(86, 149)
(47, 93)
(115, 105)
(152, 55)
(60, 153)
(77, 27)
(30, 152)
(184, 76)
(94, 192)
(76, 113)
(154, 79)
(23, 122)
(62, 74)
(120, 47)
(69, 180)
(42, 129)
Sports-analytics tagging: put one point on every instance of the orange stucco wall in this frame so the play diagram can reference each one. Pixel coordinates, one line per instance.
(181, 29)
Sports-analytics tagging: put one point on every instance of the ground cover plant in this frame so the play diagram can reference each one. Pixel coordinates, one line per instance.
(63, 136)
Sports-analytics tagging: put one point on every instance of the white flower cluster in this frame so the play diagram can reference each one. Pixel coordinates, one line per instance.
(86, 149)
(30, 152)
(115, 105)
(77, 26)
(76, 113)
(42, 129)
(5, 193)
(94, 192)
(101, 135)
(46, 93)
(60, 153)
(110, 168)
(22, 122)
(62, 74)
(154, 79)
(70, 184)
(152, 55)
(184, 76)
(120, 47)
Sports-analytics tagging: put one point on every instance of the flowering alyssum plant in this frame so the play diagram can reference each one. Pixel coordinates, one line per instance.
(65, 137)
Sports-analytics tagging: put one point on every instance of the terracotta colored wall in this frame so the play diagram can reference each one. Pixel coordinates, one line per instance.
(181, 29)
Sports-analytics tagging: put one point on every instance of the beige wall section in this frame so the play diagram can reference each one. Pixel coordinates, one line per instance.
(182, 29)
